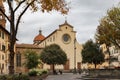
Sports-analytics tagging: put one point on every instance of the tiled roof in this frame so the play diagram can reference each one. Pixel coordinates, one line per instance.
(28, 46)
(39, 37)
(48, 36)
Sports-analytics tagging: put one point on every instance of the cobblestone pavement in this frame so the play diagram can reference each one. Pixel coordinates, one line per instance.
(64, 76)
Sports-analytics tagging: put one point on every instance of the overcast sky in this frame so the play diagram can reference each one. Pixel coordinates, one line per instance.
(84, 16)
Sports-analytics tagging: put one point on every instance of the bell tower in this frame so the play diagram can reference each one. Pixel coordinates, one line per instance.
(2, 17)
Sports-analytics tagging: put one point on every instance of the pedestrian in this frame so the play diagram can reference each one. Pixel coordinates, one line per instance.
(79, 71)
(60, 71)
(55, 72)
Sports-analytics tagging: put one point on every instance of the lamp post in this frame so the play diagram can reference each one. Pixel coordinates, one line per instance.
(75, 56)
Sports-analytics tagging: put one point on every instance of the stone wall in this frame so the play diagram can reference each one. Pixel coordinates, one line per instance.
(104, 72)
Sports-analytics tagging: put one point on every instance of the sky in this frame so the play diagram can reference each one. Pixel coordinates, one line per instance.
(84, 16)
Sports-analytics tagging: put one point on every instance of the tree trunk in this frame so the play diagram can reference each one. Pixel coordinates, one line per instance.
(54, 71)
(12, 43)
(11, 55)
(53, 68)
(95, 66)
(11, 66)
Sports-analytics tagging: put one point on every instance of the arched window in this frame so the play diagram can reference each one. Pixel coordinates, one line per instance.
(1, 17)
(18, 59)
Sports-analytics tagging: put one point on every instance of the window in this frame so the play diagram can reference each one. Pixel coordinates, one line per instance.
(18, 59)
(1, 17)
(2, 66)
(3, 47)
(2, 35)
(2, 57)
(54, 38)
(66, 38)
(0, 46)
(50, 39)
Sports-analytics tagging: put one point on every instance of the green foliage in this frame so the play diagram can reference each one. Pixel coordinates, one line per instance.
(108, 31)
(31, 59)
(44, 72)
(91, 53)
(37, 72)
(14, 77)
(53, 54)
(32, 73)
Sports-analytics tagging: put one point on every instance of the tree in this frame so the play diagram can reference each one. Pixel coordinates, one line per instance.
(15, 16)
(53, 55)
(91, 53)
(108, 31)
(32, 59)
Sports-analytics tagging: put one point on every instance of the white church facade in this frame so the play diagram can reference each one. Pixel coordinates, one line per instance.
(65, 37)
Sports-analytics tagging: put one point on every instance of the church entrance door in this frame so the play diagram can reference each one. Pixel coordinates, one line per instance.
(66, 66)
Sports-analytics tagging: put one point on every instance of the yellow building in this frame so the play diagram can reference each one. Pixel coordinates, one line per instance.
(105, 52)
(65, 37)
(20, 58)
(4, 51)
(4, 43)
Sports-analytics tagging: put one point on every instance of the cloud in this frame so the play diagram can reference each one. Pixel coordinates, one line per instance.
(84, 15)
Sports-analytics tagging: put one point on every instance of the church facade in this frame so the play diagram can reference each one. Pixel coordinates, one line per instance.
(65, 37)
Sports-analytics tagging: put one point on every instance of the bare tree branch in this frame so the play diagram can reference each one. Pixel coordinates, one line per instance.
(4, 14)
(20, 16)
(10, 6)
(19, 5)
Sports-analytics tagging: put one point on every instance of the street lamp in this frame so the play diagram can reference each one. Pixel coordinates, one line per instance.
(75, 56)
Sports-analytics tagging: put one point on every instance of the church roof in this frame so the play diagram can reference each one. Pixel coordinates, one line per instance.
(29, 46)
(39, 37)
(66, 23)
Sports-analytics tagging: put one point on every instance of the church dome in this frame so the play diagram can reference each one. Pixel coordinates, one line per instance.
(39, 37)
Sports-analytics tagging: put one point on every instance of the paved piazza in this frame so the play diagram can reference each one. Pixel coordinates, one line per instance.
(64, 76)
(71, 76)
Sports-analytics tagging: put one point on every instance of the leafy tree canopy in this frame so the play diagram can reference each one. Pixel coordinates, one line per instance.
(91, 53)
(108, 31)
(31, 59)
(53, 54)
